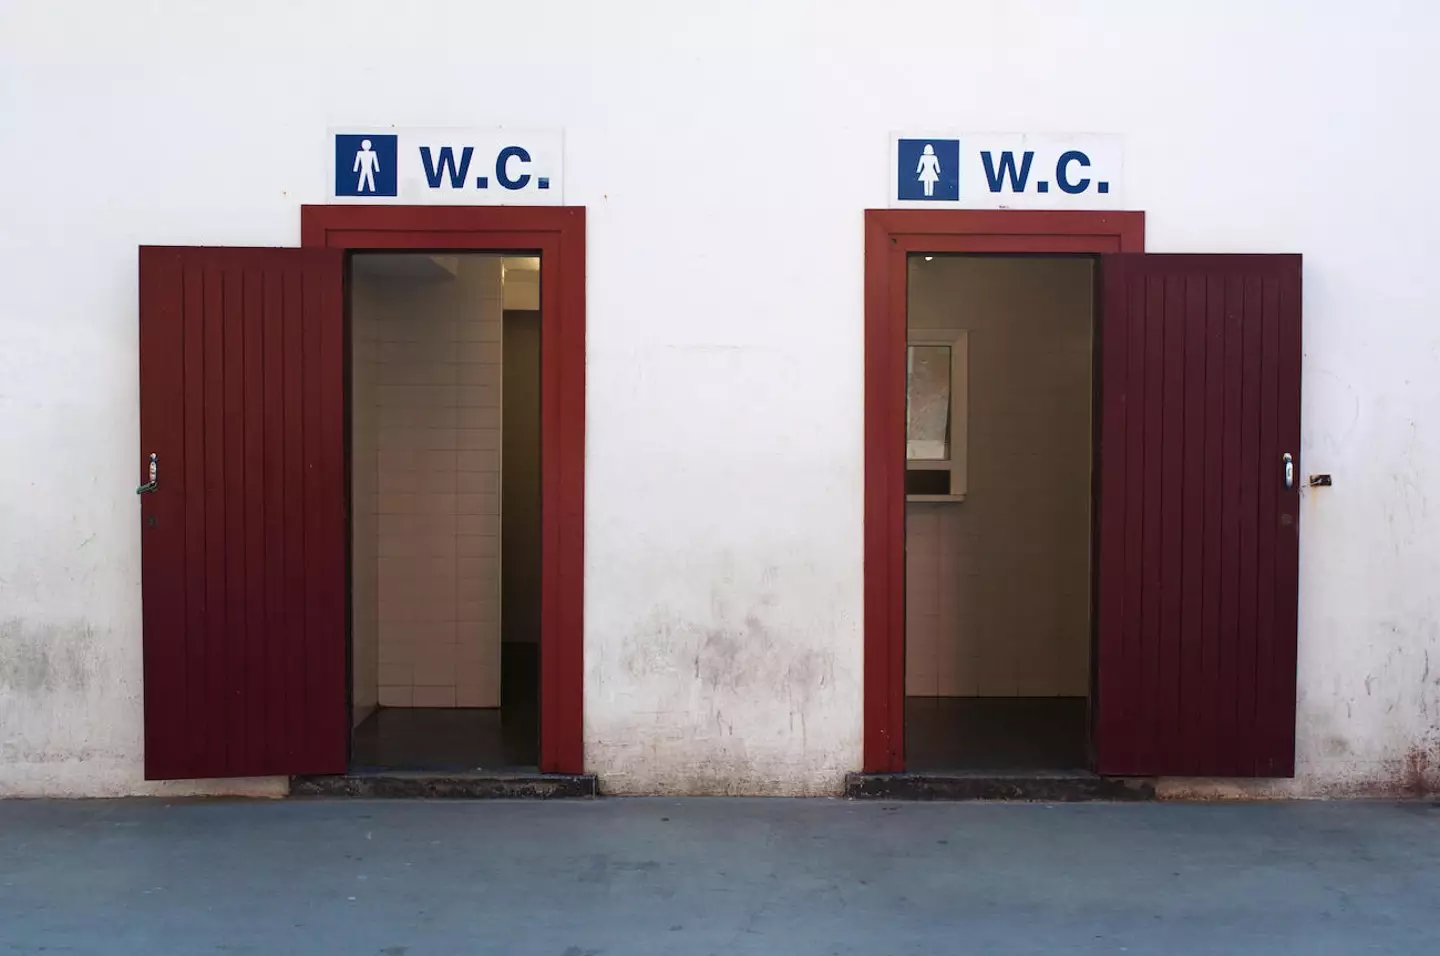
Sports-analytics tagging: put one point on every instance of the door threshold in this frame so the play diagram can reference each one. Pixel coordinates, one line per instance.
(462, 785)
(1044, 786)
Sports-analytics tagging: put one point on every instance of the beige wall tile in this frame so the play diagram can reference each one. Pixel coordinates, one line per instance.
(418, 332)
(434, 697)
(406, 438)
(419, 482)
(484, 417)
(479, 483)
(475, 396)
(478, 546)
(396, 696)
(412, 503)
(481, 439)
(397, 652)
(477, 524)
(391, 418)
(487, 461)
(479, 332)
(396, 674)
(488, 611)
(434, 666)
(484, 353)
(420, 396)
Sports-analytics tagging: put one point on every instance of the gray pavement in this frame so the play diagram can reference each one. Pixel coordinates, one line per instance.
(789, 877)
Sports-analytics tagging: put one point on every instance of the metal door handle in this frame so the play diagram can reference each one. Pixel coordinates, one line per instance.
(154, 481)
(1289, 470)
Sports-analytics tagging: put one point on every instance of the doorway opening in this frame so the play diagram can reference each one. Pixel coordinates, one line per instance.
(999, 430)
(445, 490)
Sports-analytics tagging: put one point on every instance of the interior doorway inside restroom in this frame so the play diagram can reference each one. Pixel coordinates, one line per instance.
(998, 514)
(445, 487)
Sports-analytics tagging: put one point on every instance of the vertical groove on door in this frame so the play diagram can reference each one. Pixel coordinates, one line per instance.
(1249, 507)
(1170, 689)
(1152, 510)
(291, 687)
(253, 648)
(1225, 705)
(196, 569)
(1270, 479)
(230, 690)
(1190, 678)
(1209, 752)
(276, 581)
(216, 618)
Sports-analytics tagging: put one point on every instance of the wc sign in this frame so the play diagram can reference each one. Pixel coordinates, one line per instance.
(445, 167)
(1005, 171)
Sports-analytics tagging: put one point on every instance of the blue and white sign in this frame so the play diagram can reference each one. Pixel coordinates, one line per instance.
(1005, 171)
(446, 167)
(929, 170)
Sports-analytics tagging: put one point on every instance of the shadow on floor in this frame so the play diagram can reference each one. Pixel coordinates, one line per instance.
(448, 739)
(458, 739)
(995, 733)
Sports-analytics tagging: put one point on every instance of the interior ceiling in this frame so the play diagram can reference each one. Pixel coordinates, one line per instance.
(410, 265)
(421, 265)
(522, 263)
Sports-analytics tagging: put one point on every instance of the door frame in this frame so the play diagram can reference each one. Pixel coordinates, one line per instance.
(557, 233)
(891, 235)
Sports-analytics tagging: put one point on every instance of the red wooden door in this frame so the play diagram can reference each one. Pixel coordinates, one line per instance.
(1198, 528)
(243, 539)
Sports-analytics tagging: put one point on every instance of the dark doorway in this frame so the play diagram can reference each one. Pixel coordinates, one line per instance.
(999, 359)
(445, 491)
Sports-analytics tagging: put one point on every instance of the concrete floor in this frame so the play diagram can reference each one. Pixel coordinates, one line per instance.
(673, 877)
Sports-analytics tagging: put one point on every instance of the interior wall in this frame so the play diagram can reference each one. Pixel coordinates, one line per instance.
(520, 478)
(998, 585)
(437, 393)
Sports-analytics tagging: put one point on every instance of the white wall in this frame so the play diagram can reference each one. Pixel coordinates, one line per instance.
(725, 153)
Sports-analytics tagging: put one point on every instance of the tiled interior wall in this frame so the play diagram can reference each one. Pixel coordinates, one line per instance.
(435, 401)
(998, 586)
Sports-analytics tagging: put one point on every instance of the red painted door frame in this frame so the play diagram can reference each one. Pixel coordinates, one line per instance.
(890, 236)
(557, 233)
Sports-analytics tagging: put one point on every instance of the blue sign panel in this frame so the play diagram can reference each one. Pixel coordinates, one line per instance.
(365, 165)
(928, 169)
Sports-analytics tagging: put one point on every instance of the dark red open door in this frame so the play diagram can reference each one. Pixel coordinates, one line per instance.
(1198, 521)
(243, 539)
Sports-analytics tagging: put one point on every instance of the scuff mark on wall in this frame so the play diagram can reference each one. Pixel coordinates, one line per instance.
(38, 660)
(729, 692)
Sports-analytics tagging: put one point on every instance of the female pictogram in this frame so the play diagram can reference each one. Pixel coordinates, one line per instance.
(928, 171)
